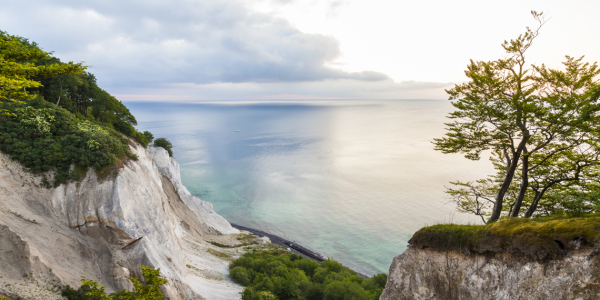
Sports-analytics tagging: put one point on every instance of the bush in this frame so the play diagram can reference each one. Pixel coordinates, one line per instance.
(250, 294)
(281, 275)
(91, 290)
(44, 137)
(149, 136)
(239, 275)
(165, 144)
(315, 292)
(343, 290)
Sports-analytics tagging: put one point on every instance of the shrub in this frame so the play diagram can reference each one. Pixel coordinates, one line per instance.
(44, 137)
(250, 294)
(239, 275)
(91, 290)
(343, 290)
(165, 144)
(315, 292)
(281, 275)
(149, 136)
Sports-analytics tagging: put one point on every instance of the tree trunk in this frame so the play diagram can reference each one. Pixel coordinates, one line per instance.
(59, 89)
(534, 203)
(507, 180)
(524, 184)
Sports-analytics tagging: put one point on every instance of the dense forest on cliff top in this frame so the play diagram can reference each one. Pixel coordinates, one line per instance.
(54, 116)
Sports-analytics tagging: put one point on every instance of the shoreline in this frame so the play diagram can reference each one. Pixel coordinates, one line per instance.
(291, 245)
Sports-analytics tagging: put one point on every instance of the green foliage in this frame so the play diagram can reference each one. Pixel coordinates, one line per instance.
(281, 275)
(344, 290)
(44, 137)
(240, 275)
(53, 115)
(91, 290)
(80, 95)
(149, 136)
(540, 123)
(540, 239)
(572, 201)
(27, 72)
(251, 294)
(163, 142)
(18, 71)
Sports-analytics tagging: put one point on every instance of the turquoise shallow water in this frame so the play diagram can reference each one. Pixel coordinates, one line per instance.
(350, 179)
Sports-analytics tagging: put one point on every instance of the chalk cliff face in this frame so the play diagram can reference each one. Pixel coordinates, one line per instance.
(105, 228)
(427, 274)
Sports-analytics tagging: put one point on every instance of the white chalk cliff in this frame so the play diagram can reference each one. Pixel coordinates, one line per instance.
(105, 228)
(427, 274)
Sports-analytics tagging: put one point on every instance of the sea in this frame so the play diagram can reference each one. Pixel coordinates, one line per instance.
(350, 179)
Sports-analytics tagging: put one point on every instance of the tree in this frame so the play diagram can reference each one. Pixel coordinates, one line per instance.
(18, 71)
(149, 136)
(165, 144)
(562, 176)
(91, 290)
(527, 115)
(343, 290)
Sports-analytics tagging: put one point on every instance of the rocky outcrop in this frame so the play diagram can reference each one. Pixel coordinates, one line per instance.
(429, 274)
(104, 228)
(169, 167)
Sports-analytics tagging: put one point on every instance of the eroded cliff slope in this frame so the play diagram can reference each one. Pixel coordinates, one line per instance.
(105, 228)
(422, 273)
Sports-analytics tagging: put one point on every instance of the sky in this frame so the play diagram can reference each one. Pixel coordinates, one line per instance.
(211, 50)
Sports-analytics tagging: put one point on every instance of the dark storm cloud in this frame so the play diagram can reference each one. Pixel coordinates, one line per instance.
(149, 43)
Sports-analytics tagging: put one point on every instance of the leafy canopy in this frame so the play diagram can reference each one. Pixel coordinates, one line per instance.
(18, 70)
(53, 115)
(44, 137)
(280, 275)
(539, 123)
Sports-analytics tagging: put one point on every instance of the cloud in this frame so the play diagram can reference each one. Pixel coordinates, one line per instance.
(336, 6)
(156, 43)
(327, 89)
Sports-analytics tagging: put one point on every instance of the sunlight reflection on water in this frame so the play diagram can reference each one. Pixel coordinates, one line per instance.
(350, 179)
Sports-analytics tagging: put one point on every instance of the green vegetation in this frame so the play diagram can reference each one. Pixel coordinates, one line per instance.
(219, 254)
(163, 142)
(540, 125)
(230, 246)
(277, 274)
(44, 137)
(19, 70)
(90, 290)
(53, 116)
(541, 238)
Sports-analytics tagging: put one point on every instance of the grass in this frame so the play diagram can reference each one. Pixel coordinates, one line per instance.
(541, 239)
(219, 254)
(231, 246)
(110, 172)
(245, 237)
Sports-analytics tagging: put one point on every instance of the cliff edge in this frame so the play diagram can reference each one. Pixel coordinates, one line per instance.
(510, 259)
(104, 228)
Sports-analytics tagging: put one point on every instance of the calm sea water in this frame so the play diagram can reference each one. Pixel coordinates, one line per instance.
(350, 179)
